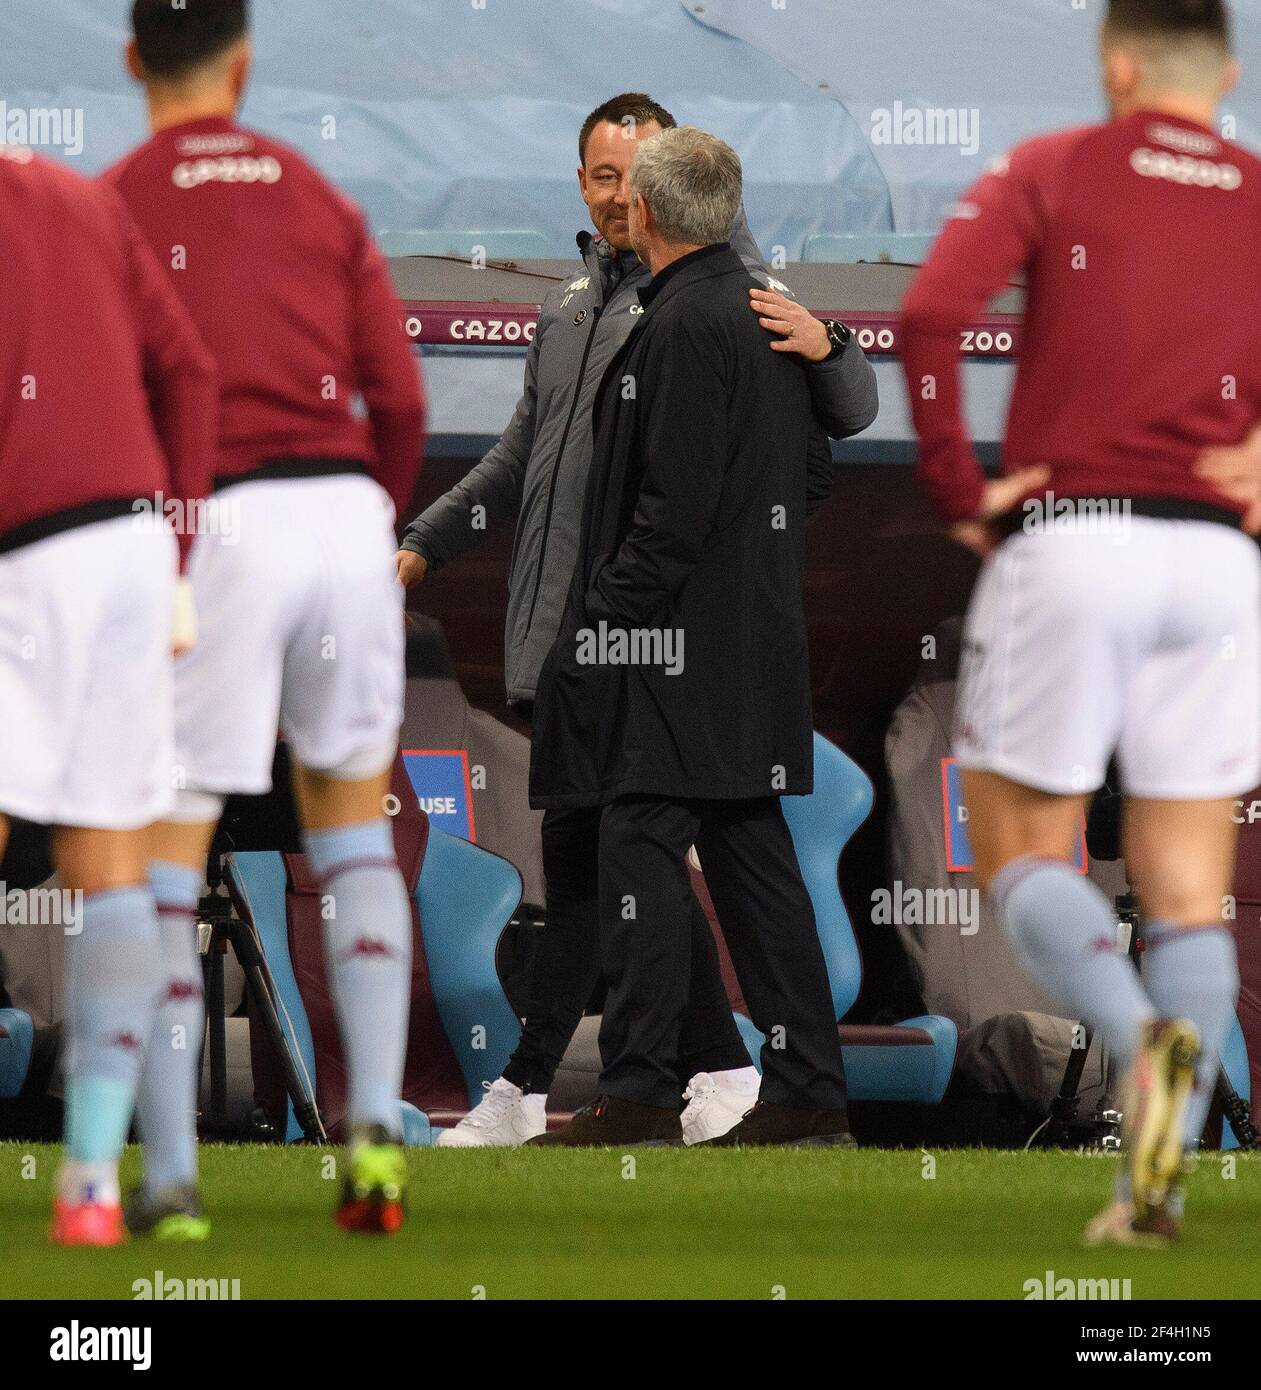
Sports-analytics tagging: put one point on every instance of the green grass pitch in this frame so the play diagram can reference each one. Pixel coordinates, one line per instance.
(653, 1224)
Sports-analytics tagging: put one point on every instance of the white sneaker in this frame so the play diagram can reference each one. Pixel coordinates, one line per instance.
(503, 1118)
(712, 1108)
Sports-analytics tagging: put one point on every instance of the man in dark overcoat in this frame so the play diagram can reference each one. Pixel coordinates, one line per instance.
(677, 694)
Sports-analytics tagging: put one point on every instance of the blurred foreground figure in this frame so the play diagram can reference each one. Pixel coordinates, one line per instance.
(1120, 600)
(87, 600)
(299, 612)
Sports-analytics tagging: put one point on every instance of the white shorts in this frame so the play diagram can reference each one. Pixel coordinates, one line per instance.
(300, 628)
(1146, 641)
(85, 676)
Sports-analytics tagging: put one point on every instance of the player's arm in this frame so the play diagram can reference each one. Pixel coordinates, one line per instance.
(844, 398)
(489, 493)
(388, 374)
(685, 455)
(180, 377)
(993, 234)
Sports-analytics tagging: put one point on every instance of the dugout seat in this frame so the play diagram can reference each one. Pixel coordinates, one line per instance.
(1234, 1056)
(906, 248)
(909, 1061)
(495, 245)
(465, 897)
(17, 1042)
(461, 1027)
(1242, 1055)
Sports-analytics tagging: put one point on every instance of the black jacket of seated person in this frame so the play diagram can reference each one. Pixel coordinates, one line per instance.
(694, 525)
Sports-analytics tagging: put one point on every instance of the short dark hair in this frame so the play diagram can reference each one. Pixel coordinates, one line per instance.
(1172, 19)
(175, 40)
(634, 107)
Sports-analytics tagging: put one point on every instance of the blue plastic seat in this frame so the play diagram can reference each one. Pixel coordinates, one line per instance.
(17, 1040)
(1235, 1065)
(913, 1060)
(909, 248)
(466, 896)
(495, 245)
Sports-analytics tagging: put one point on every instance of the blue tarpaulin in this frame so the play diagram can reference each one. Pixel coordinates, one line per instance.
(849, 115)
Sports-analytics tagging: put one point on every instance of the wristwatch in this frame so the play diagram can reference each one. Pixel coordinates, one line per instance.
(838, 336)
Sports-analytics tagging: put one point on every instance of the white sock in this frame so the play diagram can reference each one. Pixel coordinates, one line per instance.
(80, 1180)
(739, 1078)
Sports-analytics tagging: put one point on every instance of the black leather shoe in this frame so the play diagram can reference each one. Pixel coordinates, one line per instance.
(768, 1124)
(612, 1123)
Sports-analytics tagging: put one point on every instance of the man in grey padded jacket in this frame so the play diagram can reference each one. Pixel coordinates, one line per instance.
(536, 476)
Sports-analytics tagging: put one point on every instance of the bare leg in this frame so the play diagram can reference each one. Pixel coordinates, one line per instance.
(325, 802)
(1007, 820)
(1181, 856)
(1061, 926)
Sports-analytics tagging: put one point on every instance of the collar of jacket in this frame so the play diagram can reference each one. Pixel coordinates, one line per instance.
(597, 253)
(704, 264)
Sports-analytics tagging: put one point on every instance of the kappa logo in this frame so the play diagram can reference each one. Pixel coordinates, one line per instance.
(367, 949)
(582, 283)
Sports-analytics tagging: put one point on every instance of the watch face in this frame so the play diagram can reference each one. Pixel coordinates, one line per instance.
(839, 334)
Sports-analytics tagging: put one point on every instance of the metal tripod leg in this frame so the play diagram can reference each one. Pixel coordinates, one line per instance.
(1073, 1072)
(223, 927)
(216, 1032)
(1235, 1113)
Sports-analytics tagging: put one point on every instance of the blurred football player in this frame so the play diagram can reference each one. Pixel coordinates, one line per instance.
(87, 581)
(299, 614)
(1118, 608)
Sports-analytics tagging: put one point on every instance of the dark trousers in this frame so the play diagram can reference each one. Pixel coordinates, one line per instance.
(767, 918)
(566, 968)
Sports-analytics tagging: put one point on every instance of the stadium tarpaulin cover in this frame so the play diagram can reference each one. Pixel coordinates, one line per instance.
(432, 113)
